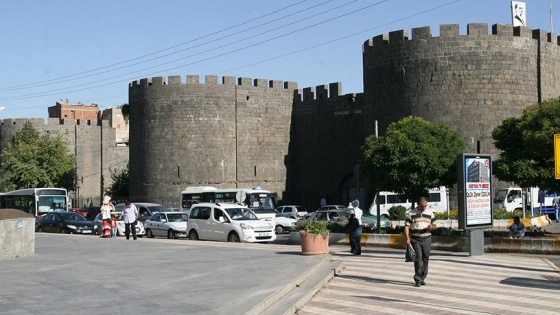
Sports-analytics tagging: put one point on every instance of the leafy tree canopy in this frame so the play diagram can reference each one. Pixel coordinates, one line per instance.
(119, 190)
(30, 160)
(527, 145)
(414, 156)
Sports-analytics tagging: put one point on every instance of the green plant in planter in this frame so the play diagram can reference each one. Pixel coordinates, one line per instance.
(315, 228)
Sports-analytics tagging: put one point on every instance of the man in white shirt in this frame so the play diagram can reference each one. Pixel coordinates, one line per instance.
(130, 216)
(356, 234)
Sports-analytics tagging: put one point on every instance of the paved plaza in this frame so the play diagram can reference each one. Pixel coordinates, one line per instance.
(75, 274)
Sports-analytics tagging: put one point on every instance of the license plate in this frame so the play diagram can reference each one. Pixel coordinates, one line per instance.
(86, 232)
(263, 234)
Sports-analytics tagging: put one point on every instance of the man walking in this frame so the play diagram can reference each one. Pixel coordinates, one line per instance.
(356, 233)
(419, 222)
(130, 217)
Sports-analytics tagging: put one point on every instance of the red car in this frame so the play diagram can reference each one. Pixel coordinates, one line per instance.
(82, 211)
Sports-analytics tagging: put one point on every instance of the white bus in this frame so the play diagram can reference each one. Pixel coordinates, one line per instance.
(36, 201)
(261, 201)
(437, 201)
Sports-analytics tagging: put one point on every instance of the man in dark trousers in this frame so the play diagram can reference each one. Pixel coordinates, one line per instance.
(418, 226)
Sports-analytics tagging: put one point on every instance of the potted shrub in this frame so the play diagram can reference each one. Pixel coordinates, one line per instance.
(314, 238)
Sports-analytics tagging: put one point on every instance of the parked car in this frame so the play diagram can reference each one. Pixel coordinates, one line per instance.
(228, 222)
(330, 207)
(145, 209)
(92, 212)
(80, 211)
(340, 216)
(170, 224)
(285, 224)
(97, 225)
(291, 211)
(371, 221)
(64, 222)
(332, 215)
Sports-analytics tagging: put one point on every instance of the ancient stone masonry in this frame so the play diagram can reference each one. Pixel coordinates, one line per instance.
(93, 145)
(306, 143)
(233, 134)
(327, 134)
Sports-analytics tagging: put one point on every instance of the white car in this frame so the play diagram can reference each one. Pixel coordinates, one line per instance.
(228, 222)
(120, 225)
(285, 224)
(291, 211)
(170, 224)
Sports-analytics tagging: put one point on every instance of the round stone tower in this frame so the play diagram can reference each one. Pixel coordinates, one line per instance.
(470, 83)
(226, 135)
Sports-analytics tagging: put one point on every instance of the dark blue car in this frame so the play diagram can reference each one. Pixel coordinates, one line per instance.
(64, 222)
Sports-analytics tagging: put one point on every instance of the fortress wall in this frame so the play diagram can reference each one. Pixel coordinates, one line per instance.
(83, 139)
(221, 134)
(327, 136)
(468, 82)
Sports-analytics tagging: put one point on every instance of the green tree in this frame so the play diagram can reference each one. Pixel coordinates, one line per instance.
(414, 156)
(31, 160)
(119, 190)
(527, 145)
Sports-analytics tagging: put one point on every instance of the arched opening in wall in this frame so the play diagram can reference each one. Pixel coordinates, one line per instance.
(347, 190)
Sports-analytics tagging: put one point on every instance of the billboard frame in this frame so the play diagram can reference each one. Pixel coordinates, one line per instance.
(475, 197)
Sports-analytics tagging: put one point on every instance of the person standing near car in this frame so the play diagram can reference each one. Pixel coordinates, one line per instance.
(417, 229)
(106, 222)
(356, 234)
(130, 216)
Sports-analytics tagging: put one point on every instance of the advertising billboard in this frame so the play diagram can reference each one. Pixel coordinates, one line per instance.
(474, 190)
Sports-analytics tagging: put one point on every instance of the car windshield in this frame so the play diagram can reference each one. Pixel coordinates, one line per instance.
(176, 217)
(239, 214)
(156, 209)
(72, 216)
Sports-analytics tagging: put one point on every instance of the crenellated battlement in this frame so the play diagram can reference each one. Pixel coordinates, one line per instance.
(19, 122)
(474, 31)
(320, 92)
(212, 80)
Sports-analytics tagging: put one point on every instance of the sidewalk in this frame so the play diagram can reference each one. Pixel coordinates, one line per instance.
(77, 274)
(380, 282)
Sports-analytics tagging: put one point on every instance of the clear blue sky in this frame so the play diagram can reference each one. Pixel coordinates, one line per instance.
(89, 51)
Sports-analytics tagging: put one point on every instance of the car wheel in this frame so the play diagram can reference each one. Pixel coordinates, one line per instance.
(63, 231)
(233, 237)
(39, 229)
(149, 233)
(193, 235)
(279, 229)
(171, 234)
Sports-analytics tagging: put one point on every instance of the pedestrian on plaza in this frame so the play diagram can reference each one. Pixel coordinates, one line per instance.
(130, 216)
(418, 226)
(113, 225)
(517, 228)
(356, 232)
(106, 209)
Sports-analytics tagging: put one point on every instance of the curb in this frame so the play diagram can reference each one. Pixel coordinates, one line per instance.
(299, 291)
(548, 246)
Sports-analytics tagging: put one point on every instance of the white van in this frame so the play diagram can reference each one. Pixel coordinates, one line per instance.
(228, 223)
(437, 201)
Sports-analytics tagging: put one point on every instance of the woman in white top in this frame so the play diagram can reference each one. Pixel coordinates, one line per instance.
(106, 209)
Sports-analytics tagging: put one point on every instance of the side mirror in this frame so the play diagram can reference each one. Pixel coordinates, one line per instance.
(221, 219)
(163, 220)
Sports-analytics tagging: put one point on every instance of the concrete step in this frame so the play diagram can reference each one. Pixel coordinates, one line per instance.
(299, 291)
